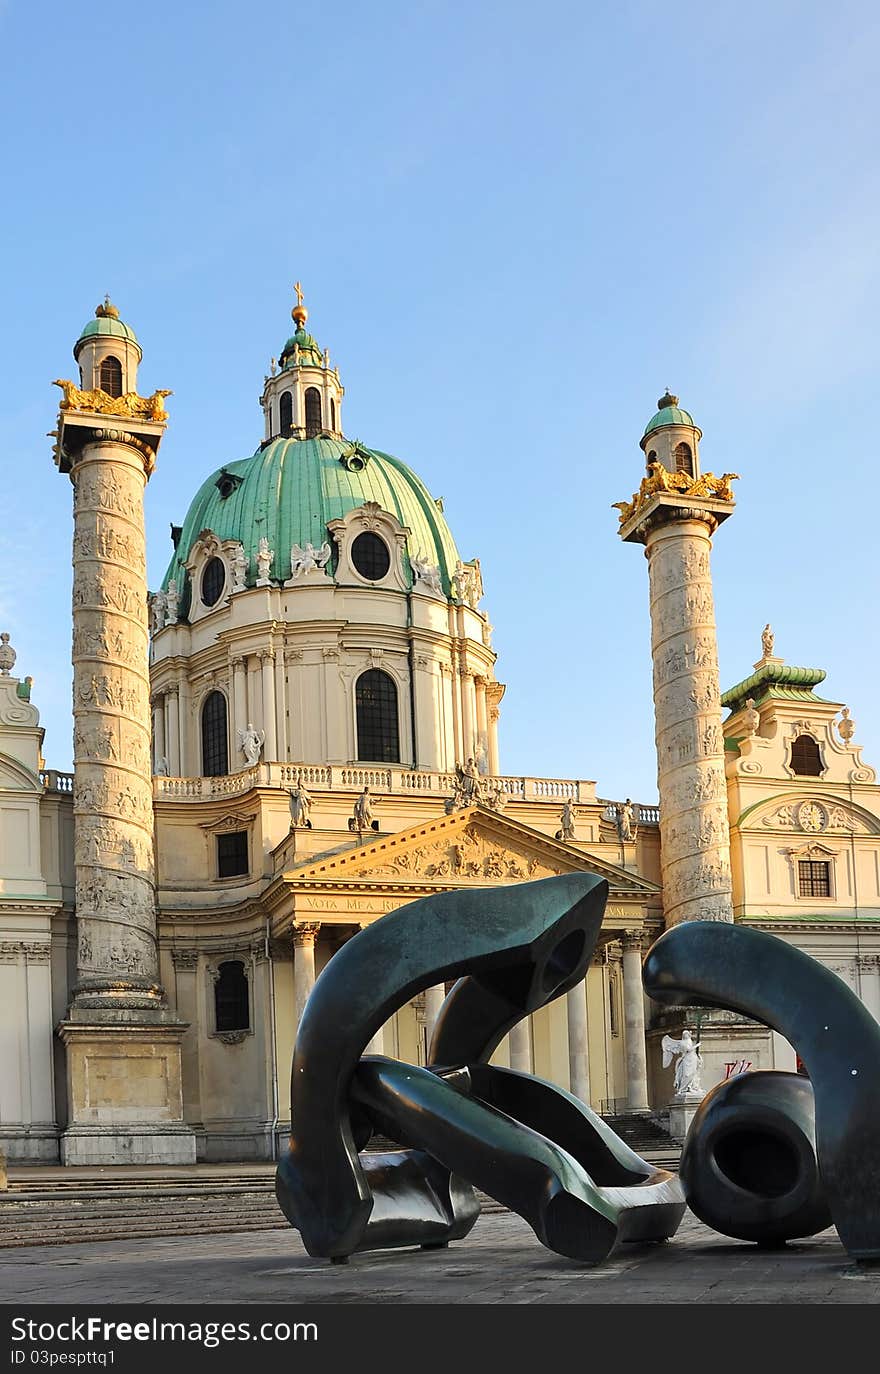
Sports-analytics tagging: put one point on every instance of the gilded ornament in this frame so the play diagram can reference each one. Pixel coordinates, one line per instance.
(131, 405)
(662, 480)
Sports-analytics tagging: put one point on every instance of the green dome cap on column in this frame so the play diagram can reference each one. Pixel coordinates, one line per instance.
(290, 489)
(106, 324)
(669, 413)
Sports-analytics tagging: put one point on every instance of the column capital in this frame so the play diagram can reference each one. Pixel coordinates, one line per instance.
(267, 655)
(633, 940)
(185, 958)
(238, 662)
(172, 690)
(304, 933)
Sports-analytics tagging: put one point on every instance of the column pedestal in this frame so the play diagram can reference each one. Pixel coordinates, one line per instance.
(125, 1094)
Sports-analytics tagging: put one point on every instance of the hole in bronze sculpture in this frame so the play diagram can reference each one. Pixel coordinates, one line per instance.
(760, 1162)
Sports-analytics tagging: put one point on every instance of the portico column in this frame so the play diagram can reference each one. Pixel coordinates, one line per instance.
(239, 700)
(159, 733)
(434, 999)
(304, 935)
(482, 739)
(377, 1044)
(520, 1049)
(634, 1023)
(270, 745)
(578, 1048)
(171, 695)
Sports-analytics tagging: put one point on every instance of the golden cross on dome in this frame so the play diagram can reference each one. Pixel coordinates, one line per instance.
(297, 286)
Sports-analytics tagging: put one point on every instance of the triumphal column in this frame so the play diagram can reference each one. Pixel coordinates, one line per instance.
(122, 1041)
(674, 514)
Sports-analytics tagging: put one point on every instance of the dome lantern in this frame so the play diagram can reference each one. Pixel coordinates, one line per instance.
(672, 438)
(108, 353)
(303, 399)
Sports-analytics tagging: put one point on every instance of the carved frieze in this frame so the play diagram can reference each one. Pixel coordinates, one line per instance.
(814, 817)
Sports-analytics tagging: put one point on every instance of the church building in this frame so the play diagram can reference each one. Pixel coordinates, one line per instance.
(299, 731)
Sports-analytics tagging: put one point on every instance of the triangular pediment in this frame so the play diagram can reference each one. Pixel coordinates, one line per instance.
(15, 777)
(469, 847)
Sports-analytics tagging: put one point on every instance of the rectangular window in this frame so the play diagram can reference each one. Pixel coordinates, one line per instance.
(232, 854)
(814, 878)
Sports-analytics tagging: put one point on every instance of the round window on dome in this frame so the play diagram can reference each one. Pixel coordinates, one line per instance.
(370, 556)
(213, 581)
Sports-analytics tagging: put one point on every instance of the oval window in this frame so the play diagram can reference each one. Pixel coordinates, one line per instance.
(370, 556)
(213, 581)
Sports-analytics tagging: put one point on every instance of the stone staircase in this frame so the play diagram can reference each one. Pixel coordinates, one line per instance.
(136, 1205)
(44, 1206)
(648, 1134)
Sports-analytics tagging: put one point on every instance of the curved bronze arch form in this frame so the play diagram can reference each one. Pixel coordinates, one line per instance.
(531, 1146)
(707, 963)
(523, 945)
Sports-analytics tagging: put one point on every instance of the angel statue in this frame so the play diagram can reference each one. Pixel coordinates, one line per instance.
(689, 1065)
(303, 560)
(250, 742)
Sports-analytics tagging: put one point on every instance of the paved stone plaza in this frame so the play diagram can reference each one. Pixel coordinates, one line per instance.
(500, 1262)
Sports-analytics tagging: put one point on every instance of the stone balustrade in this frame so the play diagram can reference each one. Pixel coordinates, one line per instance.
(388, 779)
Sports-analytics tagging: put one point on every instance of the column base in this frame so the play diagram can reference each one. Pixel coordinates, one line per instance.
(29, 1144)
(136, 1144)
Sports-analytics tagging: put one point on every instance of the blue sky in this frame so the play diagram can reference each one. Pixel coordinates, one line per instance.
(515, 227)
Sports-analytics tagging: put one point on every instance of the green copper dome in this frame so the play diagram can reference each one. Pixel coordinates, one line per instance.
(669, 415)
(289, 490)
(309, 350)
(107, 324)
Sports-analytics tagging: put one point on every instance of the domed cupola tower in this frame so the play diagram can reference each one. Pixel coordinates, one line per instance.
(672, 438)
(302, 398)
(108, 353)
(316, 598)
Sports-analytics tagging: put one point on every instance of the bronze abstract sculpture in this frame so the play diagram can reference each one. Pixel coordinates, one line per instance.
(524, 1141)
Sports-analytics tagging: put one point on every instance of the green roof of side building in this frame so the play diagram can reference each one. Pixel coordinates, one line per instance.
(774, 678)
(290, 489)
(107, 326)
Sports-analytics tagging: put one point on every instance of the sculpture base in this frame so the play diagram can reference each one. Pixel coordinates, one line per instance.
(682, 1111)
(124, 1092)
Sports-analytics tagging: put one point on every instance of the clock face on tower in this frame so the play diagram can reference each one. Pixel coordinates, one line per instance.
(812, 817)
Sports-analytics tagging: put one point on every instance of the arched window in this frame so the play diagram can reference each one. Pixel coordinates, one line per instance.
(110, 376)
(332, 414)
(232, 1010)
(313, 412)
(285, 413)
(806, 760)
(684, 459)
(215, 736)
(376, 707)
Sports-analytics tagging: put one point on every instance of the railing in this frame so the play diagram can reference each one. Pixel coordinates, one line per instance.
(382, 779)
(642, 815)
(53, 781)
